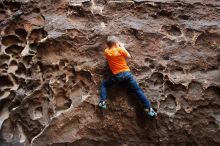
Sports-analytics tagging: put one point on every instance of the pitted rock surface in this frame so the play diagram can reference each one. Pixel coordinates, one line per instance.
(52, 63)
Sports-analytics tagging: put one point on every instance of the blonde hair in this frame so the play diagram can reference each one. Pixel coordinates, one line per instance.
(111, 40)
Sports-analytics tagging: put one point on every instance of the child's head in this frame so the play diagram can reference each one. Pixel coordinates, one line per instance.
(112, 41)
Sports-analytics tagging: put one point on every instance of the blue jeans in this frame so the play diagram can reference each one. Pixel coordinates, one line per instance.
(130, 81)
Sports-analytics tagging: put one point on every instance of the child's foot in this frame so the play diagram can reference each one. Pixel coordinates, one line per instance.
(151, 112)
(102, 104)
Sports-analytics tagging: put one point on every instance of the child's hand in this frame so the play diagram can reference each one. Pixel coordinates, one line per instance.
(121, 45)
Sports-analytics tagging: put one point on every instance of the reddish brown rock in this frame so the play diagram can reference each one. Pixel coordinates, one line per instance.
(51, 65)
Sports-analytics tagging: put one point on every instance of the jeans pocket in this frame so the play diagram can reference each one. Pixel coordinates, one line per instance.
(123, 76)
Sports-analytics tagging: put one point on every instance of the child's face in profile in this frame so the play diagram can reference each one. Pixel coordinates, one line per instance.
(115, 45)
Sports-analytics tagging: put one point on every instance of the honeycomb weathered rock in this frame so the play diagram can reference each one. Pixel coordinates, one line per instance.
(51, 65)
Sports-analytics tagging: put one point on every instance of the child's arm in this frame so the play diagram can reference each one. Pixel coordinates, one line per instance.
(127, 54)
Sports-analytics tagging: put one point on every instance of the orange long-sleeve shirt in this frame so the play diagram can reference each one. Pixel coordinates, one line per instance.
(116, 58)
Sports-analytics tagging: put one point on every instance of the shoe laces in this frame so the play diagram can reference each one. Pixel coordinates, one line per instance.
(152, 113)
(102, 104)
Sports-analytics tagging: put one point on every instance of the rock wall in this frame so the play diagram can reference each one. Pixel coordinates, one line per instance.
(51, 65)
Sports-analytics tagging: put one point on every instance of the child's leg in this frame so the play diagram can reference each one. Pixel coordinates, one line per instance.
(104, 85)
(138, 91)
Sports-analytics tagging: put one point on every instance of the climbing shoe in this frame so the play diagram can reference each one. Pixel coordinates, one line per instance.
(152, 113)
(102, 104)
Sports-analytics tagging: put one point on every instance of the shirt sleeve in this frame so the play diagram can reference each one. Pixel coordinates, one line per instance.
(105, 54)
(124, 52)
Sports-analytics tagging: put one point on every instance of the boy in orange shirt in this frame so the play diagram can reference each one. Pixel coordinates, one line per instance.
(116, 56)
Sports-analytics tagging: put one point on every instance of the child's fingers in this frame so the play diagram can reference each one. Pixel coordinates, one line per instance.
(121, 44)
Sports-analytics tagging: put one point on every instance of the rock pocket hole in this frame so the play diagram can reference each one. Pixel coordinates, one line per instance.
(13, 66)
(148, 60)
(195, 91)
(62, 103)
(4, 67)
(13, 62)
(184, 17)
(27, 59)
(2, 15)
(212, 93)
(157, 78)
(212, 126)
(166, 57)
(208, 40)
(1, 6)
(10, 40)
(14, 50)
(38, 113)
(33, 48)
(5, 81)
(165, 13)
(172, 30)
(4, 58)
(31, 85)
(13, 6)
(21, 33)
(37, 34)
(21, 69)
(152, 66)
(168, 106)
(169, 86)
